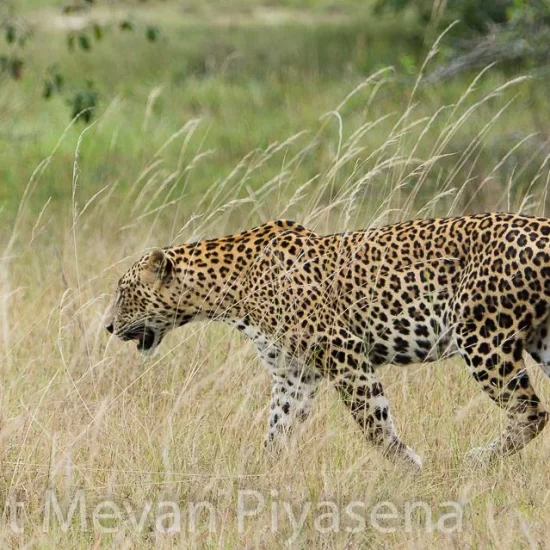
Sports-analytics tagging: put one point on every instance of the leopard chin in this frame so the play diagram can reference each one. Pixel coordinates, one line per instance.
(150, 352)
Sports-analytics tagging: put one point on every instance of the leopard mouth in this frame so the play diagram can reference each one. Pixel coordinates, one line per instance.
(145, 336)
(147, 340)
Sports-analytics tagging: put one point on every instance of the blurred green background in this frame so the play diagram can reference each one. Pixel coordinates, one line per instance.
(255, 72)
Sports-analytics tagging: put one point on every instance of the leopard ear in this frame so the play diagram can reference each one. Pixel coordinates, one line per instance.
(160, 265)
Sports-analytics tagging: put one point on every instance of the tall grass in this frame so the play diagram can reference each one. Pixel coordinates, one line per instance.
(80, 411)
(251, 81)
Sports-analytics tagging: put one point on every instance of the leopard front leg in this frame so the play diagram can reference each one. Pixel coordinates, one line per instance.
(340, 355)
(294, 385)
(292, 394)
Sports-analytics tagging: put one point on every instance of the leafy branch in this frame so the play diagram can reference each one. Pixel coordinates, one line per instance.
(83, 97)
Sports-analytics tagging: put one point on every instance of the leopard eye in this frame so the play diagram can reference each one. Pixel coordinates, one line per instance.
(119, 298)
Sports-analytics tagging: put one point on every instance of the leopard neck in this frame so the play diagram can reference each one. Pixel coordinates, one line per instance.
(214, 271)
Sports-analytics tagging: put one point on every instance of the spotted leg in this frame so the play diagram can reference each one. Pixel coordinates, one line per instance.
(500, 371)
(340, 355)
(293, 388)
(538, 346)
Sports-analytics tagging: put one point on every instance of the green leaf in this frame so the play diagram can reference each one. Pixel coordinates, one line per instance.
(10, 34)
(126, 25)
(152, 33)
(77, 104)
(16, 68)
(70, 42)
(84, 42)
(58, 81)
(98, 32)
(408, 64)
(48, 89)
(83, 103)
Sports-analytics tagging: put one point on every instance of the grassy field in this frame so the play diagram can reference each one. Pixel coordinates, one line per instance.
(237, 115)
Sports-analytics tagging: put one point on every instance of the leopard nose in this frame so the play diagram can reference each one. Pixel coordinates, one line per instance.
(109, 327)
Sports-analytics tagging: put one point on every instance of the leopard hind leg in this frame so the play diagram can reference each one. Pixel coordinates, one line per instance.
(538, 345)
(495, 362)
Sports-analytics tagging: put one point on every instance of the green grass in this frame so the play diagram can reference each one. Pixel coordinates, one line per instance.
(250, 85)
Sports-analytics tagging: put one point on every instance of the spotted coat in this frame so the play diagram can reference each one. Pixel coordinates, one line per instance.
(339, 306)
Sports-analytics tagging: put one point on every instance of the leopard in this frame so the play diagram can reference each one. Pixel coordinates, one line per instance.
(338, 307)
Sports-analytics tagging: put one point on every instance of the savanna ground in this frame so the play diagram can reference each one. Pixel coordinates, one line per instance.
(241, 113)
